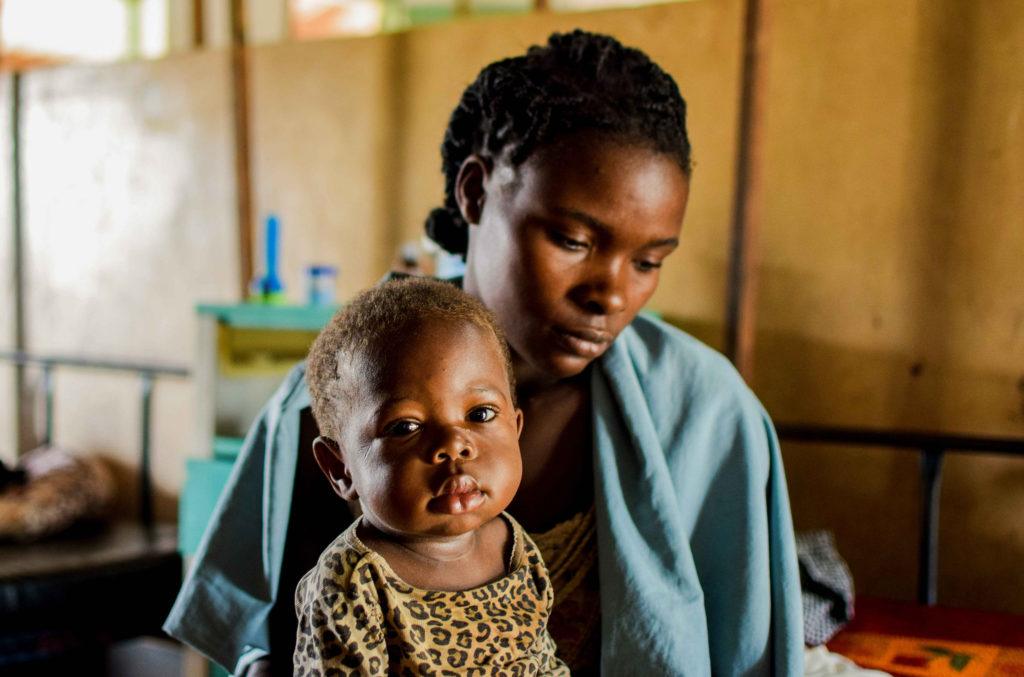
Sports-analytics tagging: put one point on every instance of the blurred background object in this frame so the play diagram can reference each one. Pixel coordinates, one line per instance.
(56, 490)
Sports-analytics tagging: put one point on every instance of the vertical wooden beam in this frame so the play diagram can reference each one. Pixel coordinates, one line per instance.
(748, 207)
(390, 146)
(21, 412)
(243, 179)
(198, 24)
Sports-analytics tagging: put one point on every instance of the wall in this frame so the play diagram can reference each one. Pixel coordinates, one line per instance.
(892, 293)
(322, 148)
(129, 220)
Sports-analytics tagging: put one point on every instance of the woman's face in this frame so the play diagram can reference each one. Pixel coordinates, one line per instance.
(566, 248)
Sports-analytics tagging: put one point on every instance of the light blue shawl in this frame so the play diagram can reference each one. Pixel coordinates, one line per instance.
(697, 560)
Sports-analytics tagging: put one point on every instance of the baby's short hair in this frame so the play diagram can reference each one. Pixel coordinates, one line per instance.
(369, 325)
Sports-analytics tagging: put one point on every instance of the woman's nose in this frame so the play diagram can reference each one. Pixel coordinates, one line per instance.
(453, 445)
(603, 292)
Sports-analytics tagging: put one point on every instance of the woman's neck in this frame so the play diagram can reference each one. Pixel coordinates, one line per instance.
(532, 383)
(556, 447)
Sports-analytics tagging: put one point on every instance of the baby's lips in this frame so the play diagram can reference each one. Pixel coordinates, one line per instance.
(455, 485)
(458, 494)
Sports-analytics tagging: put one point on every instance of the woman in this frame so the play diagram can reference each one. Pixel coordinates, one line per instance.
(652, 478)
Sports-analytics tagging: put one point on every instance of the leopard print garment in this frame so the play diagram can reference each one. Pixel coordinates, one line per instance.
(356, 617)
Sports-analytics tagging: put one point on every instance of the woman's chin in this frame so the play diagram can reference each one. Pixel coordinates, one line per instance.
(563, 366)
(550, 365)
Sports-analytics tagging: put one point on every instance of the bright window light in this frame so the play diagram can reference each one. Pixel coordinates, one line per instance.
(87, 30)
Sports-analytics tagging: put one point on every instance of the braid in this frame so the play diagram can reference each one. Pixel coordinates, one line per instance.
(578, 81)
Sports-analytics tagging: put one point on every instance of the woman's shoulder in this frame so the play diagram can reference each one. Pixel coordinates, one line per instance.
(688, 400)
(668, 360)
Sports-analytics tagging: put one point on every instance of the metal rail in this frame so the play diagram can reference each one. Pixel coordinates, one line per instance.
(147, 374)
(932, 448)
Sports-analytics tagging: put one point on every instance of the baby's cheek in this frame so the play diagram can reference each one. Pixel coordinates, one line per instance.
(396, 495)
(506, 478)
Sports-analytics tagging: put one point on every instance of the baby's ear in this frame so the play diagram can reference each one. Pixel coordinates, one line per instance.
(331, 461)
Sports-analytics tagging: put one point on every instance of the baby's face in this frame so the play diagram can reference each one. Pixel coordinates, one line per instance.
(433, 445)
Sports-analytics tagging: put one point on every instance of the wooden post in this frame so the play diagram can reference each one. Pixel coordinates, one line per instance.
(240, 91)
(198, 24)
(21, 411)
(748, 207)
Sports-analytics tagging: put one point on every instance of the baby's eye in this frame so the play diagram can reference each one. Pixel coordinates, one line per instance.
(482, 414)
(401, 428)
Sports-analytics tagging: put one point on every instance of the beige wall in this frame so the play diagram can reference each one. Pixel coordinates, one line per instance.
(129, 220)
(323, 156)
(891, 294)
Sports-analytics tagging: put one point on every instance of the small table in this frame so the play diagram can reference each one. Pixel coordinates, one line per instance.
(69, 597)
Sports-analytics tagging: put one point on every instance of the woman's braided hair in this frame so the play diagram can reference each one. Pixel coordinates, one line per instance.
(578, 82)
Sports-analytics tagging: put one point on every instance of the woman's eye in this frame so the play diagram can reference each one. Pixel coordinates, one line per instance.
(482, 414)
(401, 428)
(647, 266)
(566, 242)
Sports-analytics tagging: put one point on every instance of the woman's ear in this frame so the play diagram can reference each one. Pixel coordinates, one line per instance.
(331, 461)
(519, 422)
(471, 187)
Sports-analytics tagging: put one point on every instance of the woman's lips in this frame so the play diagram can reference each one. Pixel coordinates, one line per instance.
(458, 494)
(588, 343)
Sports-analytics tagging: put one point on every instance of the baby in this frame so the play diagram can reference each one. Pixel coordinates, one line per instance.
(412, 391)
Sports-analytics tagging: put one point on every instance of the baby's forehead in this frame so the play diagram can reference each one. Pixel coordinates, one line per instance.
(393, 370)
(416, 345)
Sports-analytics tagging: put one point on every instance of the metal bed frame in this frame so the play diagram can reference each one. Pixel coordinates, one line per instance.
(147, 373)
(931, 447)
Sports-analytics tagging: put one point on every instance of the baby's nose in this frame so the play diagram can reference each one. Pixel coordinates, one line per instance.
(454, 446)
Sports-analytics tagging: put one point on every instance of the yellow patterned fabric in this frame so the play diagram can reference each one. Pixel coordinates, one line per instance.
(570, 552)
(357, 617)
